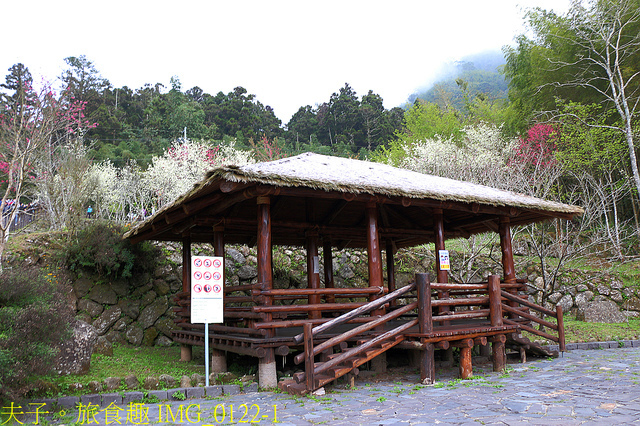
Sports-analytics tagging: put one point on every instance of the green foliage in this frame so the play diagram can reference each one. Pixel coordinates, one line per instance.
(100, 248)
(34, 320)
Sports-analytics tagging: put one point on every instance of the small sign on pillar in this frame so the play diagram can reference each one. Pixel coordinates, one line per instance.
(207, 289)
(443, 256)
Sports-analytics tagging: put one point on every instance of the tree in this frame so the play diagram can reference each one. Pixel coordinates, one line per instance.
(32, 124)
(594, 48)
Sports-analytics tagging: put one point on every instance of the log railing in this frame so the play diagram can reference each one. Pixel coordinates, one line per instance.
(528, 318)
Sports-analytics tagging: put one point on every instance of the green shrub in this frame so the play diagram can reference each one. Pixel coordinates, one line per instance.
(35, 318)
(100, 248)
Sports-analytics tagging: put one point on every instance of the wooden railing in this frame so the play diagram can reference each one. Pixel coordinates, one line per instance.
(528, 318)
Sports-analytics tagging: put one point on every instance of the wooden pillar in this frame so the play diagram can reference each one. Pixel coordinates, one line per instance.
(425, 326)
(465, 366)
(391, 273)
(495, 301)
(507, 250)
(327, 256)
(498, 352)
(267, 377)
(442, 275)
(373, 249)
(379, 363)
(218, 362)
(186, 352)
(508, 265)
(313, 272)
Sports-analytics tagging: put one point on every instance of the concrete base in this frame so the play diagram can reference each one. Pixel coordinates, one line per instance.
(379, 363)
(185, 353)
(218, 362)
(267, 376)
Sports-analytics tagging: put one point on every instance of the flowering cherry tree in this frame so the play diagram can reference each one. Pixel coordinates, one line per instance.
(32, 124)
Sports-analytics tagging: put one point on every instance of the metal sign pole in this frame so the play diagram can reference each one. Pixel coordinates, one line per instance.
(206, 352)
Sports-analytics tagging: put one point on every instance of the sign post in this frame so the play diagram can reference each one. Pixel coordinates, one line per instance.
(207, 296)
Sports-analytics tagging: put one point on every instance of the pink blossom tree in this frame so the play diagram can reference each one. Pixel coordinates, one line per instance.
(32, 124)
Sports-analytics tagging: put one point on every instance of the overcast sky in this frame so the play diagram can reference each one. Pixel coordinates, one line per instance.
(288, 53)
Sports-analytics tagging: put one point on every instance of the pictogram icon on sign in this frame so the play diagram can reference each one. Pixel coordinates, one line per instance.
(207, 275)
(197, 288)
(217, 276)
(217, 263)
(217, 288)
(197, 263)
(197, 275)
(207, 288)
(207, 263)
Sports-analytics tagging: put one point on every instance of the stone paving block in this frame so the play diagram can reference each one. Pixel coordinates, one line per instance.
(231, 389)
(173, 394)
(582, 346)
(613, 344)
(571, 346)
(36, 404)
(161, 395)
(213, 390)
(108, 398)
(253, 387)
(635, 343)
(626, 343)
(195, 392)
(94, 399)
(68, 401)
(132, 396)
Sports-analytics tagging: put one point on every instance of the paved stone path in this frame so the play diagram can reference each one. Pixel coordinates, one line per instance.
(582, 387)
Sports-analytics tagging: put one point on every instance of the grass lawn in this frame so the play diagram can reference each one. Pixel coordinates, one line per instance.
(141, 361)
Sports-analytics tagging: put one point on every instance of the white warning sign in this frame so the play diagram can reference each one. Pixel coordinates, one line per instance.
(207, 289)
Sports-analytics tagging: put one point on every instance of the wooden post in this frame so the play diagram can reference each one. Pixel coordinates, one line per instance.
(495, 301)
(465, 365)
(218, 362)
(373, 249)
(267, 375)
(264, 252)
(423, 287)
(186, 352)
(507, 250)
(313, 271)
(498, 354)
(425, 326)
(507, 258)
(327, 256)
(391, 276)
(379, 363)
(560, 324)
(309, 364)
(442, 276)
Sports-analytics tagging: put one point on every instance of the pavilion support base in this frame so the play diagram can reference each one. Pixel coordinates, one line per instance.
(465, 368)
(267, 375)
(379, 363)
(185, 353)
(218, 361)
(498, 353)
(428, 365)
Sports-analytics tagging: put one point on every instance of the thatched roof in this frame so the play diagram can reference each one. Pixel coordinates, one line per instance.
(319, 174)
(363, 177)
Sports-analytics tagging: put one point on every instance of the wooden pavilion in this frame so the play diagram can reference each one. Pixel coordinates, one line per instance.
(315, 201)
